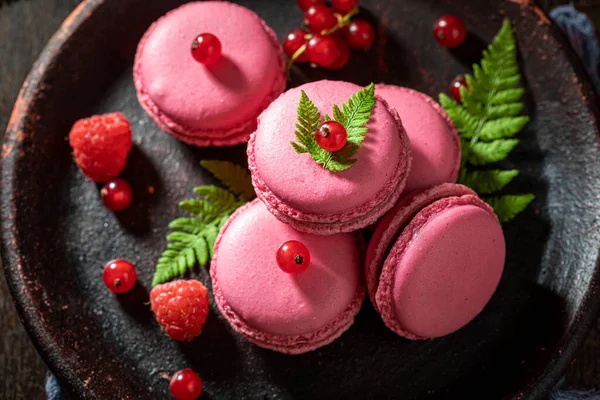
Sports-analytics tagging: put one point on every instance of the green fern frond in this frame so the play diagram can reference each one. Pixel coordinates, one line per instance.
(192, 239)
(488, 118)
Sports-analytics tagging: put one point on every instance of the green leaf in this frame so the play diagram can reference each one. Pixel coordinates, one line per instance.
(503, 127)
(481, 153)
(488, 118)
(487, 181)
(192, 239)
(354, 115)
(507, 207)
(234, 177)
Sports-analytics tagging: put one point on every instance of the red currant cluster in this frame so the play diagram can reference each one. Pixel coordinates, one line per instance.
(330, 36)
(450, 31)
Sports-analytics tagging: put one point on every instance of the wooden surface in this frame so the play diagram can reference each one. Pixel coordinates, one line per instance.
(25, 26)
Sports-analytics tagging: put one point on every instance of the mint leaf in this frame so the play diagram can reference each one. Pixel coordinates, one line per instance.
(192, 239)
(354, 115)
(487, 181)
(507, 207)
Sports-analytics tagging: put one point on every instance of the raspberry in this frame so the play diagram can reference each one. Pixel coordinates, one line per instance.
(181, 308)
(101, 144)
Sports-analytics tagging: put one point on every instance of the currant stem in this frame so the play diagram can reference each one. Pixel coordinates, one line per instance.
(342, 22)
(295, 56)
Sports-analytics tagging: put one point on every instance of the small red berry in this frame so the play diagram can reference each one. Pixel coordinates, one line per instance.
(331, 136)
(185, 385)
(344, 6)
(449, 31)
(100, 145)
(293, 257)
(344, 55)
(116, 194)
(360, 35)
(180, 307)
(119, 276)
(455, 86)
(305, 4)
(206, 48)
(319, 18)
(293, 41)
(323, 50)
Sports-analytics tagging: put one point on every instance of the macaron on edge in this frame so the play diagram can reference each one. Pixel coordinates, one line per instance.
(383, 296)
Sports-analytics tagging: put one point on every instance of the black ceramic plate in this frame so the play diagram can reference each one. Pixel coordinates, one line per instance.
(56, 234)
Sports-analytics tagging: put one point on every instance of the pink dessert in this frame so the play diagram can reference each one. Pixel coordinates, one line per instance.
(208, 104)
(289, 313)
(433, 138)
(302, 193)
(434, 261)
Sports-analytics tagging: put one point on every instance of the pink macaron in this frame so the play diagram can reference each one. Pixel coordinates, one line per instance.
(434, 261)
(214, 104)
(288, 313)
(302, 193)
(433, 138)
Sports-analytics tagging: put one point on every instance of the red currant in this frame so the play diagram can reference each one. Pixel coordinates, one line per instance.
(293, 41)
(119, 276)
(305, 4)
(323, 50)
(319, 18)
(293, 257)
(185, 385)
(455, 86)
(331, 136)
(344, 6)
(206, 48)
(116, 194)
(360, 35)
(449, 31)
(344, 55)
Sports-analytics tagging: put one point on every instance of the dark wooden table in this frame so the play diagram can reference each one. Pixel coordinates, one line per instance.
(25, 26)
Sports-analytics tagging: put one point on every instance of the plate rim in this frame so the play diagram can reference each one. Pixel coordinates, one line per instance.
(11, 255)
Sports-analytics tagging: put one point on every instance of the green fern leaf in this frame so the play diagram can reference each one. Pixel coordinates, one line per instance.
(192, 239)
(482, 153)
(488, 118)
(507, 207)
(354, 115)
(234, 177)
(487, 181)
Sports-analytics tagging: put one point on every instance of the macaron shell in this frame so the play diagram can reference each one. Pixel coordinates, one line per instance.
(443, 269)
(296, 188)
(279, 310)
(392, 224)
(220, 101)
(433, 138)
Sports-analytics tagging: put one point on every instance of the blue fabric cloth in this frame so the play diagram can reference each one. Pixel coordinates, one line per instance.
(582, 35)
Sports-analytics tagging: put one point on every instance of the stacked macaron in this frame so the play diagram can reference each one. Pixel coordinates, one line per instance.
(287, 270)
(434, 261)
(206, 70)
